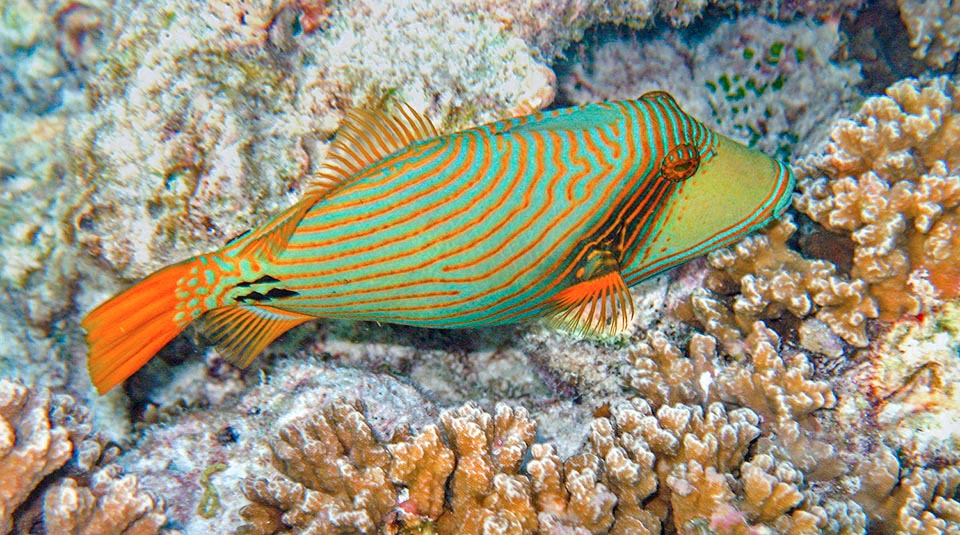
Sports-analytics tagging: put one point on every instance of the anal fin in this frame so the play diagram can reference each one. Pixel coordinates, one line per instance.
(241, 332)
(599, 304)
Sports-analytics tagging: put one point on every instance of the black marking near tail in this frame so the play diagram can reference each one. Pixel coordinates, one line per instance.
(274, 293)
(277, 293)
(262, 280)
(259, 296)
(252, 296)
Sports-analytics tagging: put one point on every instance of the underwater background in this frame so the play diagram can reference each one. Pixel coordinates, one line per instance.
(804, 380)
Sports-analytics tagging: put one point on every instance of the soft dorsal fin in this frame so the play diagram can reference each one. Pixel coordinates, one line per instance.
(241, 332)
(367, 137)
(600, 304)
(272, 237)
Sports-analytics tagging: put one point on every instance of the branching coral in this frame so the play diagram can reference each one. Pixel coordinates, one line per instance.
(922, 501)
(569, 495)
(422, 465)
(888, 182)
(904, 386)
(692, 459)
(642, 471)
(31, 447)
(779, 389)
(487, 494)
(39, 434)
(772, 279)
(337, 482)
(906, 500)
(929, 502)
(934, 29)
(628, 468)
(663, 375)
(777, 385)
(110, 505)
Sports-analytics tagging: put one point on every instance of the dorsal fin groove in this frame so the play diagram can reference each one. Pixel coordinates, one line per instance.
(365, 138)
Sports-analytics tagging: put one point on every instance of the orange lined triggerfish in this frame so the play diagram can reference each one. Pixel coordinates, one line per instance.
(553, 215)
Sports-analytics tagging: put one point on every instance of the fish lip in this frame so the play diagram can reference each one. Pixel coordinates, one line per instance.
(785, 200)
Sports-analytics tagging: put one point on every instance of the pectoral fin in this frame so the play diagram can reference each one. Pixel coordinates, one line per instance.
(599, 304)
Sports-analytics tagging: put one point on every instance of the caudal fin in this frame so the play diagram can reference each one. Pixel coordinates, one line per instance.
(126, 331)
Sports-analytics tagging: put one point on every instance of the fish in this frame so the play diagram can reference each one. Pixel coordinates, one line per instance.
(551, 216)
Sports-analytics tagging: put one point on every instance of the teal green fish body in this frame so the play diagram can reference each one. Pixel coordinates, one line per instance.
(553, 215)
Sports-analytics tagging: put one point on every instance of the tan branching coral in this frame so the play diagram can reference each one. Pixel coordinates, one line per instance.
(422, 465)
(663, 375)
(772, 279)
(337, 474)
(696, 472)
(41, 433)
(676, 469)
(569, 495)
(934, 29)
(770, 490)
(780, 390)
(31, 446)
(628, 464)
(926, 501)
(777, 385)
(487, 494)
(888, 182)
(112, 504)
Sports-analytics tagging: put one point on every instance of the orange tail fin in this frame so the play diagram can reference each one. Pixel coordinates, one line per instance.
(126, 331)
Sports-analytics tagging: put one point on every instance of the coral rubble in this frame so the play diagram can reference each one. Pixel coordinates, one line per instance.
(43, 47)
(910, 376)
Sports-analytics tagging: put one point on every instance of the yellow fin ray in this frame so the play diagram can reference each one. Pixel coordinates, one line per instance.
(241, 332)
(367, 137)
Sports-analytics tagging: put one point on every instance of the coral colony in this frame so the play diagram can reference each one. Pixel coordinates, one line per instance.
(802, 380)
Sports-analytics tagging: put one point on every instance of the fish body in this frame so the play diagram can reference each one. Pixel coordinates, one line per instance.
(553, 215)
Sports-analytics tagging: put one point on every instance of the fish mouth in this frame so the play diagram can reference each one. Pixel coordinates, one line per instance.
(785, 201)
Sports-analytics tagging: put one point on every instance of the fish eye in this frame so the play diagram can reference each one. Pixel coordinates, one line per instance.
(680, 163)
